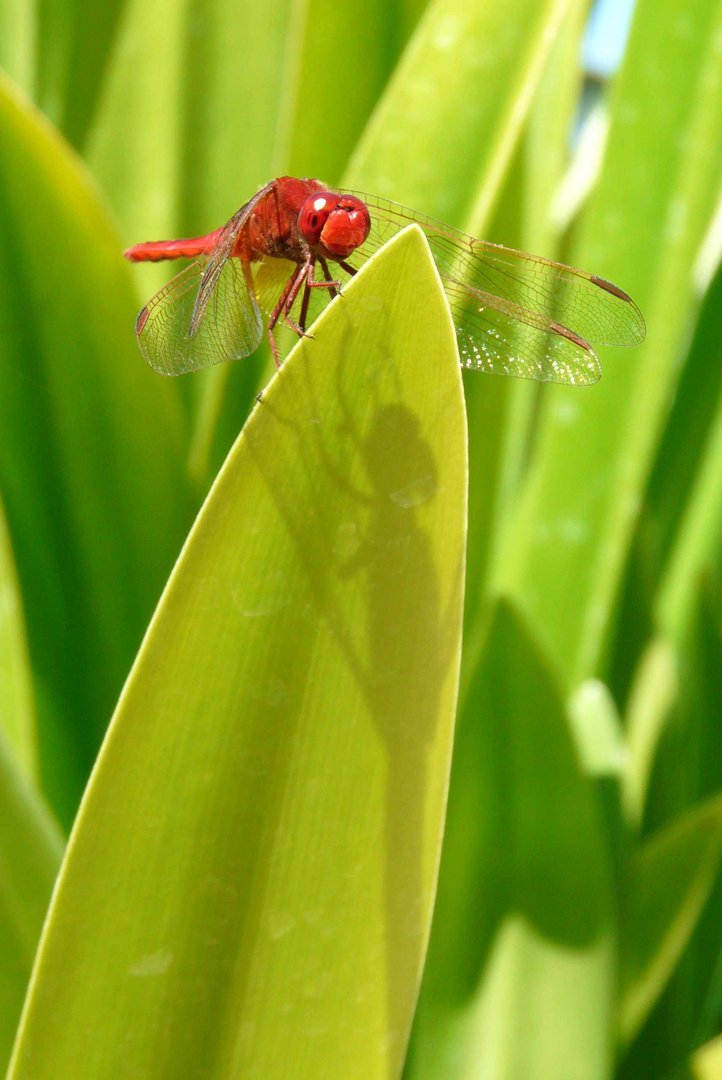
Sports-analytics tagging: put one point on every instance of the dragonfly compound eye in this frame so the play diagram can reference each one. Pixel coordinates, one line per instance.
(347, 226)
(338, 224)
(313, 215)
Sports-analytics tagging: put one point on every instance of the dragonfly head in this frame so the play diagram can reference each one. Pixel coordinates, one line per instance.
(337, 224)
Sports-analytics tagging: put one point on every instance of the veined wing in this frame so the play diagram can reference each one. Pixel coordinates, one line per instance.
(207, 313)
(498, 337)
(176, 334)
(558, 309)
(269, 279)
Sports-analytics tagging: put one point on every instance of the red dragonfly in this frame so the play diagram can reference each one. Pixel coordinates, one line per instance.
(515, 314)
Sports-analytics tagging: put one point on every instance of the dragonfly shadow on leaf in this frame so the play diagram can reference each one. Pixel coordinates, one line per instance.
(369, 478)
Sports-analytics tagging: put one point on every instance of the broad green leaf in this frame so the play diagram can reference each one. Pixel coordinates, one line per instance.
(250, 879)
(684, 492)
(603, 752)
(704, 1064)
(30, 852)
(520, 973)
(546, 146)
(308, 136)
(491, 56)
(73, 42)
(707, 1061)
(188, 127)
(441, 141)
(410, 11)
(524, 220)
(575, 522)
(669, 882)
(17, 41)
(597, 730)
(676, 535)
(698, 536)
(459, 97)
(689, 432)
(184, 132)
(17, 709)
(314, 136)
(90, 444)
(652, 695)
(688, 770)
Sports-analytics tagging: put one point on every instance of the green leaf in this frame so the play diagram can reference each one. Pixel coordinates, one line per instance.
(597, 731)
(704, 1064)
(599, 737)
(17, 41)
(459, 97)
(251, 875)
(299, 78)
(191, 122)
(89, 455)
(574, 525)
(73, 41)
(707, 1061)
(441, 140)
(546, 146)
(17, 709)
(669, 882)
(689, 433)
(520, 973)
(697, 539)
(651, 698)
(30, 852)
(185, 129)
(317, 67)
(685, 743)
(502, 412)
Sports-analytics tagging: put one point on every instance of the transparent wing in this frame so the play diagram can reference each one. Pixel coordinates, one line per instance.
(504, 340)
(499, 338)
(269, 279)
(208, 312)
(502, 299)
(203, 316)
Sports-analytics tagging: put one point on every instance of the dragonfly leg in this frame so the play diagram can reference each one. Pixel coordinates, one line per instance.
(274, 348)
(329, 283)
(306, 296)
(301, 278)
(285, 301)
(350, 270)
(304, 307)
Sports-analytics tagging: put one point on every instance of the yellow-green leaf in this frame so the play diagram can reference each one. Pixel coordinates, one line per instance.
(17, 709)
(250, 879)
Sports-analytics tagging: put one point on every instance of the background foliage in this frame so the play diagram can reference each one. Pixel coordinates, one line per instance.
(577, 929)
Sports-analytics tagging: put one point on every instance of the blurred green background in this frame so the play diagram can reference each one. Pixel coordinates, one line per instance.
(577, 930)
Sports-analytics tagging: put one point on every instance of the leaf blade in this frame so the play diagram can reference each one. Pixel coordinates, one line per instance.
(291, 717)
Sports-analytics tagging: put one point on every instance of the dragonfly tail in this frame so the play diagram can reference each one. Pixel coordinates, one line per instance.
(157, 250)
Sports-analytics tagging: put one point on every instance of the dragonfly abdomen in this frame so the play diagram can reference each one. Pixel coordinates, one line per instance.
(158, 250)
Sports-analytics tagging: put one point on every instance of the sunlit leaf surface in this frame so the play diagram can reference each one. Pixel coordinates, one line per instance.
(280, 754)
